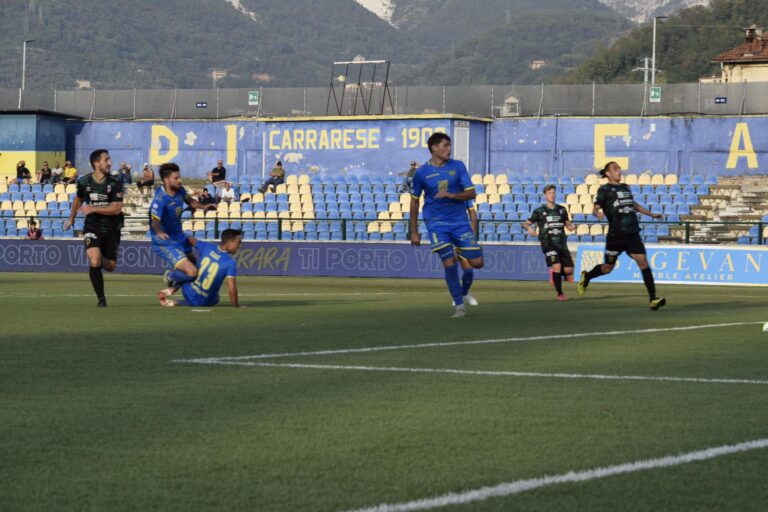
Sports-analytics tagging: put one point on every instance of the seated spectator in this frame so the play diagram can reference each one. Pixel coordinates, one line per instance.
(407, 185)
(22, 173)
(227, 193)
(33, 233)
(147, 179)
(45, 175)
(125, 175)
(276, 177)
(205, 198)
(57, 173)
(70, 173)
(218, 174)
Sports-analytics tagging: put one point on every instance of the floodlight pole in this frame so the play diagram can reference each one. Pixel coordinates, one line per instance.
(23, 69)
(653, 54)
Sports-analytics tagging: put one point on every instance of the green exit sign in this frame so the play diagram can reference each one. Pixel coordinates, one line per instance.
(253, 98)
(655, 95)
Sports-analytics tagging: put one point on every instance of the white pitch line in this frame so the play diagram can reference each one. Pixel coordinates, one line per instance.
(588, 376)
(459, 343)
(520, 486)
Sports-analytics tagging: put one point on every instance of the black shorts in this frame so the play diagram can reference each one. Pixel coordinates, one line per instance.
(555, 254)
(109, 243)
(615, 245)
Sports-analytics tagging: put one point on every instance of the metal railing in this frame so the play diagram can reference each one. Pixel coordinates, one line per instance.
(481, 101)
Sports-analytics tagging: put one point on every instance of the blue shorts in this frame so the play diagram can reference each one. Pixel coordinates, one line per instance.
(461, 238)
(173, 253)
(192, 298)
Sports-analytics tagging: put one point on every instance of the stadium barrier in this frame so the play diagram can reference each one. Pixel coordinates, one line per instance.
(695, 264)
(316, 259)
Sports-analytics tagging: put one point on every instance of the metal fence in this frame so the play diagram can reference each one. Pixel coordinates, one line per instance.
(480, 101)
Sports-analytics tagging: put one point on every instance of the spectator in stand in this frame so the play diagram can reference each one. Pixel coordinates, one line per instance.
(227, 193)
(407, 185)
(147, 179)
(33, 233)
(44, 175)
(276, 177)
(218, 174)
(22, 173)
(56, 173)
(125, 175)
(205, 198)
(70, 173)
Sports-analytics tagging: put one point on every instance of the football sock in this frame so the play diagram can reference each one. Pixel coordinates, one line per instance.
(454, 285)
(563, 276)
(597, 271)
(97, 280)
(557, 277)
(178, 277)
(466, 281)
(650, 284)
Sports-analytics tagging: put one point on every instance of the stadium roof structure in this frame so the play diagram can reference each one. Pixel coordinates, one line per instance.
(753, 50)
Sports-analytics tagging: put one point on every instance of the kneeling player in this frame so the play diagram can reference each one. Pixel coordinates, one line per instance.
(552, 219)
(216, 265)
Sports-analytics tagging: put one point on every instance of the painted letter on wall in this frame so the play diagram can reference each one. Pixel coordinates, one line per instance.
(741, 132)
(159, 132)
(602, 131)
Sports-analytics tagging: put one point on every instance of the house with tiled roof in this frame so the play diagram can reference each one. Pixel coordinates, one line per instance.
(747, 62)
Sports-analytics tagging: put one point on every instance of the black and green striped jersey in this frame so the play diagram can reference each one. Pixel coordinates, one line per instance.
(619, 206)
(551, 223)
(100, 194)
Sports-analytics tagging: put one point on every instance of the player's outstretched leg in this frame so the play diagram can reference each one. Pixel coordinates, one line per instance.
(650, 285)
(586, 277)
(557, 280)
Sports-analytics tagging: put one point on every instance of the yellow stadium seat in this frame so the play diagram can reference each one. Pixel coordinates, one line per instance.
(22, 224)
(501, 179)
(582, 189)
(572, 199)
(50, 196)
(477, 179)
(765, 232)
(489, 179)
(41, 205)
(596, 230)
(657, 179)
(383, 216)
(222, 207)
(481, 199)
(294, 207)
(305, 189)
(294, 198)
(630, 179)
(405, 208)
(3, 187)
(593, 190)
(670, 179)
(385, 227)
(245, 197)
(590, 179)
(585, 199)
(394, 207)
(6, 205)
(71, 189)
(308, 215)
(582, 229)
(199, 214)
(291, 179)
(602, 181)
(234, 206)
(503, 189)
(304, 179)
(281, 189)
(297, 226)
(219, 215)
(61, 198)
(263, 215)
(246, 215)
(296, 215)
(199, 225)
(491, 189)
(493, 198)
(396, 216)
(373, 227)
(306, 199)
(573, 209)
(405, 197)
(644, 179)
(309, 207)
(187, 225)
(285, 225)
(284, 215)
(18, 205)
(292, 189)
(59, 189)
(257, 197)
(210, 214)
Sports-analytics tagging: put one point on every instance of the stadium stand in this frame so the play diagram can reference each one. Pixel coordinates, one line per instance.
(371, 209)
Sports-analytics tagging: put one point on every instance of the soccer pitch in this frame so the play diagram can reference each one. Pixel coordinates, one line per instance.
(348, 394)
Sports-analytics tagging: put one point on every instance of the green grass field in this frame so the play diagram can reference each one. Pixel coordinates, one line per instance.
(96, 415)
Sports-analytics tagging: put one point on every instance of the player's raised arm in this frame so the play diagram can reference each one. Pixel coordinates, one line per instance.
(197, 205)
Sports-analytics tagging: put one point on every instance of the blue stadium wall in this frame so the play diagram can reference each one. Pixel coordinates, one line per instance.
(326, 147)
(323, 147)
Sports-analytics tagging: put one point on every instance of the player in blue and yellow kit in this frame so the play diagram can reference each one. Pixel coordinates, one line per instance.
(168, 239)
(446, 187)
(467, 270)
(216, 266)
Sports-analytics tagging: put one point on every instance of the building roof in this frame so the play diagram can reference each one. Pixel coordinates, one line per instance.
(753, 50)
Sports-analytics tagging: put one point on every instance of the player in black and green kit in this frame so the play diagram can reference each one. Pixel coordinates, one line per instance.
(552, 220)
(100, 199)
(616, 202)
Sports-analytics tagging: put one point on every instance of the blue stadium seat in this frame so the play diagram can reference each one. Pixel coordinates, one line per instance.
(691, 200)
(697, 179)
(702, 190)
(684, 179)
(710, 180)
